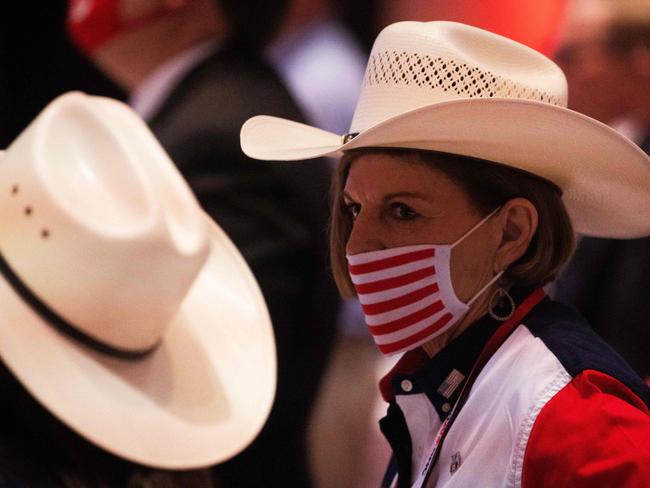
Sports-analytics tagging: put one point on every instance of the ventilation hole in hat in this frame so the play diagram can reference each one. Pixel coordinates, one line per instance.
(28, 210)
(447, 75)
(14, 190)
(45, 233)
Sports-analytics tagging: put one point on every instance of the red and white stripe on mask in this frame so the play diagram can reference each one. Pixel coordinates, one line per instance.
(407, 294)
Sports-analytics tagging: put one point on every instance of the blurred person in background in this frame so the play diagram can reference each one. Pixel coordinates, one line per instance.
(605, 54)
(191, 68)
(320, 61)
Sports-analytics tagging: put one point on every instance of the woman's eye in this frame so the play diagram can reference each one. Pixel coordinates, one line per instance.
(353, 209)
(403, 212)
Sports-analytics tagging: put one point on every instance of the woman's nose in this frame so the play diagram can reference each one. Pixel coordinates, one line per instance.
(365, 236)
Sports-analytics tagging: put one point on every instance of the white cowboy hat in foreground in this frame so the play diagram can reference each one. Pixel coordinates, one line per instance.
(457, 89)
(125, 310)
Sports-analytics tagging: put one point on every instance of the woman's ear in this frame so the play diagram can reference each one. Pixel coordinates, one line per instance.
(517, 222)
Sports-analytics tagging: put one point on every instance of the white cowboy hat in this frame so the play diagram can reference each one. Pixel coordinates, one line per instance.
(124, 310)
(453, 88)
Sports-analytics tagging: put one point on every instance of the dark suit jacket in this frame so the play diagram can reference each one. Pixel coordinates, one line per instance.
(609, 281)
(276, 213)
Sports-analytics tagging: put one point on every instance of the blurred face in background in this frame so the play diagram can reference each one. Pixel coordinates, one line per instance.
(598, 79)
(129, 39)
(93, 23)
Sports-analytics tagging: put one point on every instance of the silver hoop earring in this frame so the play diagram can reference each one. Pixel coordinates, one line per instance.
(501, 305)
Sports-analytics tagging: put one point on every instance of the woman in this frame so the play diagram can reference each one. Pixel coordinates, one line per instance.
(461, 183)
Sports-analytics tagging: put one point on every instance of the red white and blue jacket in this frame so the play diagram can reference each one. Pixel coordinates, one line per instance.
(555, 406)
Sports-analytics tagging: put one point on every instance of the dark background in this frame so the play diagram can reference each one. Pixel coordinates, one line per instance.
(38, 63)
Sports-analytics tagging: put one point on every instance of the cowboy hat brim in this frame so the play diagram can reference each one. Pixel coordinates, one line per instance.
(605, 178)
(199, 398)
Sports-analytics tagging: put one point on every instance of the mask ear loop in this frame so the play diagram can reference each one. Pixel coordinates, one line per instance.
(462, 238)
(476, 226)
(485, 287)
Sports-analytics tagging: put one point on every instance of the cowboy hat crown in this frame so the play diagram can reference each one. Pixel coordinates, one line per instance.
(79, 213)
(414, 64)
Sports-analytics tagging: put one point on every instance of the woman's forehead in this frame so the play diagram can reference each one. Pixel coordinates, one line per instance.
(381, 173)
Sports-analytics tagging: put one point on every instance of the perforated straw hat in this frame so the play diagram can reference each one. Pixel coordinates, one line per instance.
(453, 88)
(125, 310)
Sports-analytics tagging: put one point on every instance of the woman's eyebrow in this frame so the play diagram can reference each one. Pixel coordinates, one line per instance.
(409, 194)
(398, 194)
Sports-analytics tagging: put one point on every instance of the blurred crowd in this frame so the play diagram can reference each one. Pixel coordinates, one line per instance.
(188, 68)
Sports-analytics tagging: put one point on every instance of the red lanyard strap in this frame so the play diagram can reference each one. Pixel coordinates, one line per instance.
(495, 342)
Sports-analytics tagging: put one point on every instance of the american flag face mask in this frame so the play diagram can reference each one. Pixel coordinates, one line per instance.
(406, 293)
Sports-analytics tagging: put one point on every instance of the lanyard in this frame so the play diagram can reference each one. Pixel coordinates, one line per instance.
(495, 342)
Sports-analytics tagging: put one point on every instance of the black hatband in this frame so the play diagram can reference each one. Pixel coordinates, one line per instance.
(54, 319)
